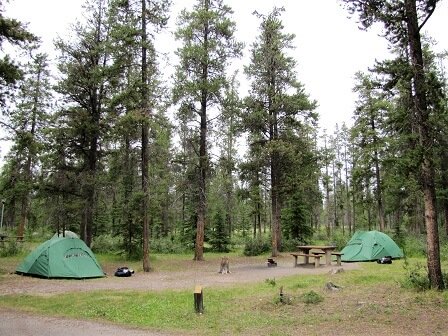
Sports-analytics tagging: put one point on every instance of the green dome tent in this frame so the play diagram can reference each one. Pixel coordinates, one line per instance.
(61, 257)
(370, 245)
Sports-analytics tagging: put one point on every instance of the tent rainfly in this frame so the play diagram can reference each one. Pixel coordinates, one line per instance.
(61, 257)
(370, 245)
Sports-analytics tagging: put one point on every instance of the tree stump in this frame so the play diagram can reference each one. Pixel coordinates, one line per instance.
(198, 300)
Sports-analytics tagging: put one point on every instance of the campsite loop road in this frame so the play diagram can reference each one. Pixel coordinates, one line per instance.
(205, 273)
(244, 270)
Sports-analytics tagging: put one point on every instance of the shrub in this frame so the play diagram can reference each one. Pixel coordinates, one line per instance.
(255, 247)
(416, 277)
(219, 237)
(312, 297)
(270, 282)
(169, 245)
(443, 249)
(291, 244)
(106, 243)
(340, 240)
(10, 249)
(414, 246)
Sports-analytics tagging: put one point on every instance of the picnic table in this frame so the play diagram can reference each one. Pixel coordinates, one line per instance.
(327, 250)
(5, 238)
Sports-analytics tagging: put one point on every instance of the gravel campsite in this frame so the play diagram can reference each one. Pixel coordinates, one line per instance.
(385, 305)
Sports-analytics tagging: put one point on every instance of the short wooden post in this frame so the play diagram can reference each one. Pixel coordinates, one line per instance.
(198, 300)
(316, 261)
(338, 259)
(295, 260)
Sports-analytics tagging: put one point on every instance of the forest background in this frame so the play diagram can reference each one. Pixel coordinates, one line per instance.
(105, 144)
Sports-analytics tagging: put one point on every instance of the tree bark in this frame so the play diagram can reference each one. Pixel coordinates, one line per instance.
(200, 224)
(276, 233)
(25, 206)
(145, 144)
(379, 192)
(444, 168)
(425, 142)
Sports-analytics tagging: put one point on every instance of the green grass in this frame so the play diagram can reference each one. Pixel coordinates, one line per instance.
(371, 294)
(168, 310)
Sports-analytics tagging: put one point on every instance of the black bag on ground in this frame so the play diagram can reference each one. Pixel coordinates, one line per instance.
(124, 272)
(385, 260)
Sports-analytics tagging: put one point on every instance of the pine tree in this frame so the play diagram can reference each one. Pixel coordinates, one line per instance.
(86, 84)
(31, 120)
(275, 105)
(208, 44)
(403, 22)
(137, 91)
(15, 34)
(369, 116)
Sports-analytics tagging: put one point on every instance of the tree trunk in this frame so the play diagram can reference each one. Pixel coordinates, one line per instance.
(379, 193)
(425, 142)
(444, 173)
(202, 206)
(145, 145)
(200, 224)
(327, 191)
(87, 220)
(275, 206)
(128, 186)
(30, 156)
(275, 185)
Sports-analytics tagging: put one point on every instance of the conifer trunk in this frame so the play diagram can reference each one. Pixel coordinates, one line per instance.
(426, 145)
(379, 192)
(145, 144)
(30, 156)
(200, 224)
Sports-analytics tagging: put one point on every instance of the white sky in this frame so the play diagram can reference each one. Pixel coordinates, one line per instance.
(329, 46)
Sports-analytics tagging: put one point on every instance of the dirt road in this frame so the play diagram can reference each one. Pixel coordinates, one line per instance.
(13, 323)
(243, 270)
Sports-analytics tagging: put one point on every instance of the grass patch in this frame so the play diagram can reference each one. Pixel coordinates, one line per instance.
(371, 295)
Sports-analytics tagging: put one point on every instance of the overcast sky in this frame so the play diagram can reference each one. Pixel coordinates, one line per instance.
(329, 46)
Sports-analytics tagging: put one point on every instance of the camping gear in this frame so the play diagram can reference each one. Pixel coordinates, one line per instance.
(66, 233)
(271, 262)
(385, 260)
(61, 257)
(370, 245)
(124, 272)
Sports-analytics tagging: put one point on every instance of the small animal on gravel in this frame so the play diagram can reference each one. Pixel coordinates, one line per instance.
(224, 269)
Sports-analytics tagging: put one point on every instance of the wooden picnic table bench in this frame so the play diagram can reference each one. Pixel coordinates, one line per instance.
(338, 256)
(5, 238)
(306, 257)
(326, 249)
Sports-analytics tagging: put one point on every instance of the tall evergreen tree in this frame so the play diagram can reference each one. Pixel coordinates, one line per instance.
(32, 116)
(369, 116)
(403, 22)
(14, 33)
(228, 131)
(27, 123)
(84, 65)
(276, 102)
(208, 44)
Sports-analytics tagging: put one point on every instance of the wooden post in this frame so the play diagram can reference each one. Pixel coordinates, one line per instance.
(198, 300)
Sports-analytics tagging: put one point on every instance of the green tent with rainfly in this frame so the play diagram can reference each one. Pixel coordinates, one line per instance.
(370, 245)
(61, 257)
